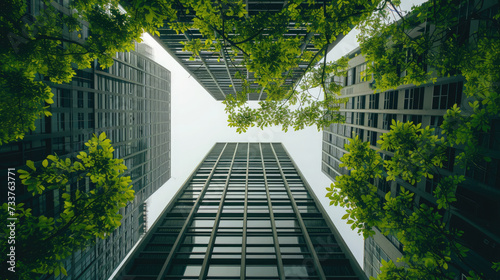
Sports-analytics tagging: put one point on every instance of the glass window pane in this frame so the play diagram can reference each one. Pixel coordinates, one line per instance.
(290, 239)
(298, 249)
(185, 270)
(261, 256)
(220, 249)
(223, 270)
(202, 223)
(260, 249)
(299, 270)
(231, 223)
(286, 223)
(261, 271)
(191, 239)
(228, 240)
(259, 240)
(258, 223)
(314, 223)
(193, 249)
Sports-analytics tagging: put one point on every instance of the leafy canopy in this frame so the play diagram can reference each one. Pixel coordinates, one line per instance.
(420, 48)
(266, 48)
(428, 244)
(87, 213)
(46, 48)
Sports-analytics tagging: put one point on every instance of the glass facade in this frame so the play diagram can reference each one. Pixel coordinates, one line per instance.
(369, 114)
(130, 102)
(245, 213)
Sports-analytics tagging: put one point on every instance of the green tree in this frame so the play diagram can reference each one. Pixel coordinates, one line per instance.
(43, 243)
(430, 246)
(267, 54)
(430, 42)
(52, 44)
(436, 40)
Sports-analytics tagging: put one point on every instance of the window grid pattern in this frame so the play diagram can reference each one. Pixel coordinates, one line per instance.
(446, 95)
(246, 213)
(140, 134)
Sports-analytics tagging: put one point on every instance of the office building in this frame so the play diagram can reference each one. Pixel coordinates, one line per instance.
(246, 212)
(369, 115)
(215, 70)
(130, 102)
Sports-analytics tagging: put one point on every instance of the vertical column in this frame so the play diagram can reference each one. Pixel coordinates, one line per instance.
(167, 264)
(279, 260)
(245, 215)
(206, 269)
(310, 246)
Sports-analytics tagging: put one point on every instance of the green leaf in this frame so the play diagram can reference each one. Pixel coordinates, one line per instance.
(102, 136)
(31, 165)
(45, 163)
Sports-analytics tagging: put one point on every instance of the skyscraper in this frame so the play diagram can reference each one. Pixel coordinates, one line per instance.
(216, 70)
(130, 102)
(369, 115)
(246, 212)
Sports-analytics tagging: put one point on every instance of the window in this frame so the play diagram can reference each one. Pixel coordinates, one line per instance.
(351, 76)
(445, 96)
(414, 98)
(374, 101)
(223, 270)
(185, 270)
(391, 100)
(192, 249)
(196, 239)
(260, 240)
(64, 98)
(479, 171)
(230, 224)
(261, 271)
(80, 99)
(286, 223)
(232, 209)
(372, 137)
(360, 102)
(301, 270)
(225, 249)
(259, 223)
(358, 118)
(91, 120)
(338, 80)
(372, 119)
(362, 76)
(388, 118)
(416, 119)
(81, 121)
(297, 239)
(258, 209)
(228, 240)
(359, 132)
(202, 223)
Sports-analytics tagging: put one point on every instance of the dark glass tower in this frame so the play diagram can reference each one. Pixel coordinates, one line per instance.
(245, 213)
(130, 102)
(369, 115)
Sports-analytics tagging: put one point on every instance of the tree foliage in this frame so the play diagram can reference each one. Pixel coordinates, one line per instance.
(267, 54)
(429, 244)
(43, 243)
(421, 47)
(50, 45)
(435, 40)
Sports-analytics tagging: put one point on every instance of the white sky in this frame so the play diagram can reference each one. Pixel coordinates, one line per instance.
(199, 121)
